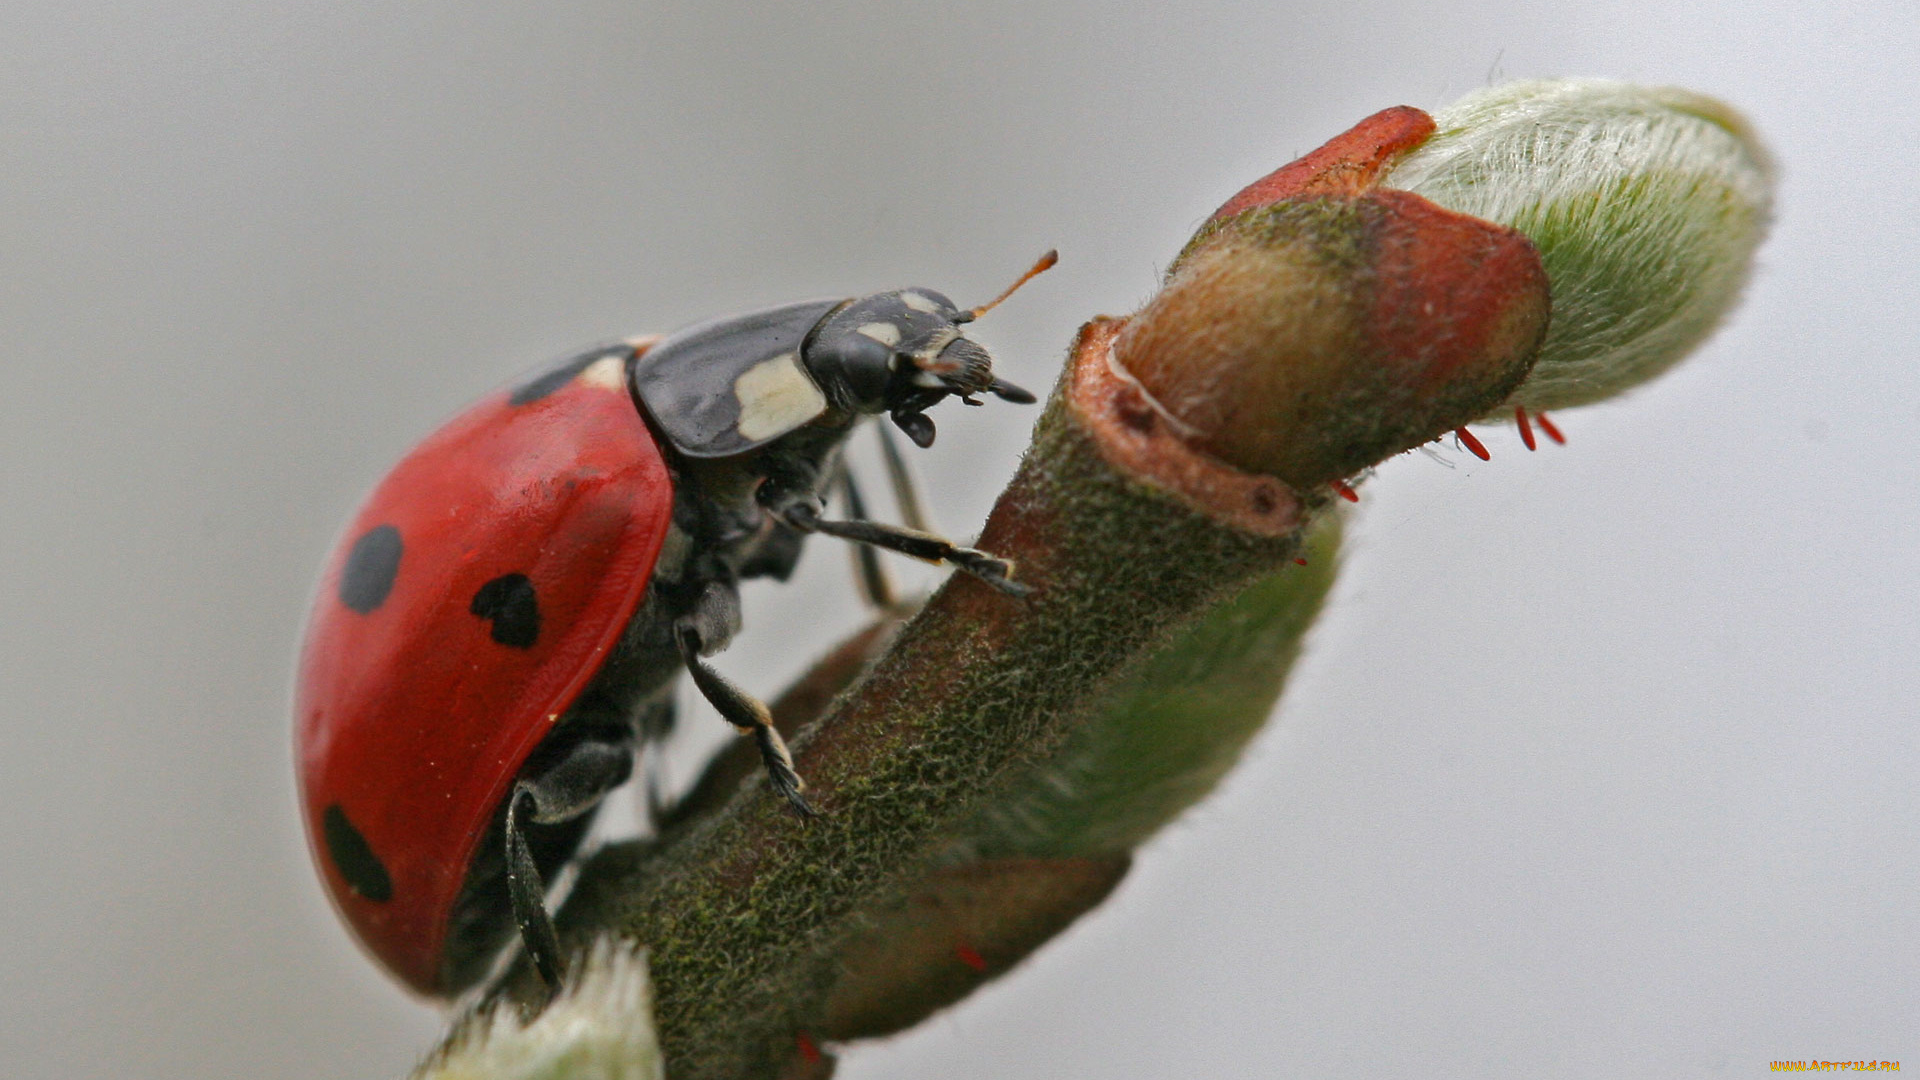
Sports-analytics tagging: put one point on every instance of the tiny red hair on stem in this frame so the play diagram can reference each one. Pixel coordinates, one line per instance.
(809, 1050)
(1472, 444)
(971, 957)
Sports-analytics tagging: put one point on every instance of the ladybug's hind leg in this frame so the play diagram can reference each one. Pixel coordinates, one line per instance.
(705, 631)
(560, 792)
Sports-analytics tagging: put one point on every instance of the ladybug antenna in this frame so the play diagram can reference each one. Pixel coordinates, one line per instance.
(1045, 263)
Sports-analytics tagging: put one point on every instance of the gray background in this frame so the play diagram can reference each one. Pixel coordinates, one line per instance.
(1603, 762)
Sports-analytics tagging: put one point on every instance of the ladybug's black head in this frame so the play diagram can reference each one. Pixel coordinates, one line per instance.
(903, 352)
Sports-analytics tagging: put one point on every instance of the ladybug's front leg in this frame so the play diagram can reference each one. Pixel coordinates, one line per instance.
(994, 571)
(802, 512)
(560, 792)
(705, 631)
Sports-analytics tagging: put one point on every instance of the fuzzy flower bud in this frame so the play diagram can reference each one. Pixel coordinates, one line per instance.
(1646, 205)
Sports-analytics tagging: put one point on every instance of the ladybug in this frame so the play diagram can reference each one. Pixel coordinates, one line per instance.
(502, 624)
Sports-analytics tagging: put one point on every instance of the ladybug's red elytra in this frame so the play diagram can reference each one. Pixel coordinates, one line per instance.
(502, 623)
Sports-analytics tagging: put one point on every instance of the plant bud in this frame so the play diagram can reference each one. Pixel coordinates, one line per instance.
(1317, 324)
(1646, 204)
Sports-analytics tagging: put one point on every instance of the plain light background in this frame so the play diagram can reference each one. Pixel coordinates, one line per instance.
(1603, 761)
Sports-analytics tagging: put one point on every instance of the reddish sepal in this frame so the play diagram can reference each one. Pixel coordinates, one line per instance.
(1346, 165)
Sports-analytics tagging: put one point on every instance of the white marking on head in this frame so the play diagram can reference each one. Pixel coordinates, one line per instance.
(928, 354)
(919, 302)
(606, 373)
(775, 397)
(883, 332)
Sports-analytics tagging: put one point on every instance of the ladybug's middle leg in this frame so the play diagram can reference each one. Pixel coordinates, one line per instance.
(559, 792)
(704, 631)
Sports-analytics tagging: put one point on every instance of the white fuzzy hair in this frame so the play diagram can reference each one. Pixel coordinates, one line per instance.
(600, 1027)
(1646, 204)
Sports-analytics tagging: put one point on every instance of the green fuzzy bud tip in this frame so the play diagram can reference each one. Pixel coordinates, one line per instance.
(1646, 204)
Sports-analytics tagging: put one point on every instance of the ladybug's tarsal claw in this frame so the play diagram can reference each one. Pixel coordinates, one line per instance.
(996, 572)
(780, 771)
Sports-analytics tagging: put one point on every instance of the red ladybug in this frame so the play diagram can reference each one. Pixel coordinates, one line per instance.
(505, 617)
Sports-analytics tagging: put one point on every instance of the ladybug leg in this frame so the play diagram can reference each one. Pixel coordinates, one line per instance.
(697, 638)
(529, 895)
(789, 493)
(906, 496)
(563, 791)
(994, 571)
(875, 586)
(655, 724)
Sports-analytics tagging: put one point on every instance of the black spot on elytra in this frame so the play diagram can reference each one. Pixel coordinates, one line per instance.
(365, 874)
(371, 566)
(510, 603)
(559, 374)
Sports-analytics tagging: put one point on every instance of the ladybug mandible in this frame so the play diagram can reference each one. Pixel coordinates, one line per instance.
(504, 619)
